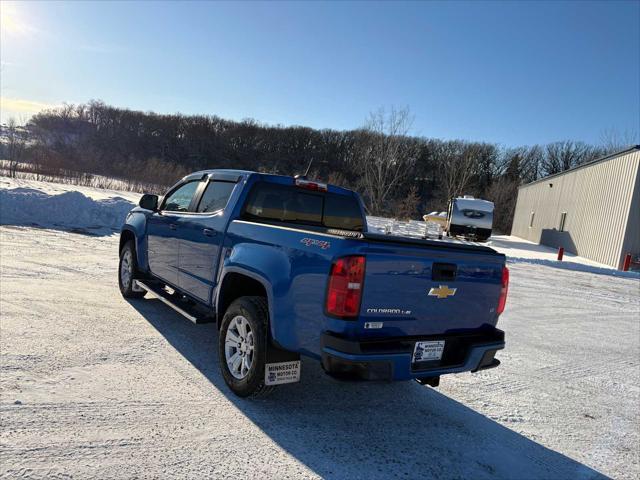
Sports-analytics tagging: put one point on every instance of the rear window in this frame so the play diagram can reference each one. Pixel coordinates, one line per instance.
(283, 203)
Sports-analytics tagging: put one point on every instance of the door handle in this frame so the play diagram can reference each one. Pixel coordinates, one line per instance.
(173, 226)
(208, 232)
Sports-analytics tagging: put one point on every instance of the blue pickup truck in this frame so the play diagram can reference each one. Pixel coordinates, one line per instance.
(287, 267)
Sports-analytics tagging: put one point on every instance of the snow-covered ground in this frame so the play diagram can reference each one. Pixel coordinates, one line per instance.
(93, 386)
(519, 250)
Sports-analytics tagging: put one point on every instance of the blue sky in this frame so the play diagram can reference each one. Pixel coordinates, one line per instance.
(507, 72)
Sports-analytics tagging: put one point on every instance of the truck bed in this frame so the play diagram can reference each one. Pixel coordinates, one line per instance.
(399, 274)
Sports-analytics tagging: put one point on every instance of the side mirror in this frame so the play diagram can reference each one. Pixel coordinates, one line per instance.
(148, 201)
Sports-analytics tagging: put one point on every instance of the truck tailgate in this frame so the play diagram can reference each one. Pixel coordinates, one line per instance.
(422, 288)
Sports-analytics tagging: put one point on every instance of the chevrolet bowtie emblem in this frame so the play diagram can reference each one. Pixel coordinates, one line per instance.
(442, 292)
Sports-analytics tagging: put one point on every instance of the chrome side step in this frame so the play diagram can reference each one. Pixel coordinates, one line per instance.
(186, 310)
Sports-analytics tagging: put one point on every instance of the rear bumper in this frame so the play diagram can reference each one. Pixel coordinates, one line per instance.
(390, 359)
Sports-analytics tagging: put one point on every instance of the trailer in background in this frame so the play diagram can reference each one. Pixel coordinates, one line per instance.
(471, 218)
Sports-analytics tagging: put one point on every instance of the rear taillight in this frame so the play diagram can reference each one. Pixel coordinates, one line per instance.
(345, 286)
(502, 301)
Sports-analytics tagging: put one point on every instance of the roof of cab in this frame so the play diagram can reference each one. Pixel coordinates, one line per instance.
(269, 176)
(230, 171)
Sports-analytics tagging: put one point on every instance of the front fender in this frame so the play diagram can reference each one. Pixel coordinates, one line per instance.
(136, 223)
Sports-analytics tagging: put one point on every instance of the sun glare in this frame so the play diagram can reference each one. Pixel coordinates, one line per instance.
(10, 21)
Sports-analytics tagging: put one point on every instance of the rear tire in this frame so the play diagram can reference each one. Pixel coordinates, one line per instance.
(128, 271)
(242, 346)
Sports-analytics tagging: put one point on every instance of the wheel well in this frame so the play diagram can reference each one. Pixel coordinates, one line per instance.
(125, 236)
(236, 285)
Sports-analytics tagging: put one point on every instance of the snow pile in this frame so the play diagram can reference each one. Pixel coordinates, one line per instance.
(70, 209)
(411, 228)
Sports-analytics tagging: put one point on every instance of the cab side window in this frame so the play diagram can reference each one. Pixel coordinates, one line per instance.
(215, 196)
(180, 199)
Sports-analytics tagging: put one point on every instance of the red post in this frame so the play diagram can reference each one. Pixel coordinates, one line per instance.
(560, 253)
(627, 262)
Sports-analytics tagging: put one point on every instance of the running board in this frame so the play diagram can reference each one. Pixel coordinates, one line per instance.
(185, 310)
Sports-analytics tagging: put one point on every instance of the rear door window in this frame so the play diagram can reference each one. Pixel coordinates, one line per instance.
(270, 201)
(215, 196)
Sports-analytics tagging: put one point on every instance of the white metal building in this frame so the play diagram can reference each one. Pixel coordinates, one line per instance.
(592, 210)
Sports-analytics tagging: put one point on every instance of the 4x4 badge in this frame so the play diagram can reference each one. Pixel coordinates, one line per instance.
(442, 291)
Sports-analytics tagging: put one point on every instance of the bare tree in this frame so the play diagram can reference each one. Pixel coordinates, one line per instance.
(561, 156)
(614, 141)
(15, 145)
(532, 161)
(503, 193)
(383, 156)
(521, 164)
(458, 166)
(407, 207)
(389, 167)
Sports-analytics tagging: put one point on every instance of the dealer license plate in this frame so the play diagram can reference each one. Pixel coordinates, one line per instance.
(428, 351)
(283, 372)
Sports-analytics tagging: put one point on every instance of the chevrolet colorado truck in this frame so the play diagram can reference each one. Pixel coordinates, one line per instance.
(287, 267)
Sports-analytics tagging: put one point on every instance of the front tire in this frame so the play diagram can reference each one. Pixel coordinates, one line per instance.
(128, 271)
(242, 346)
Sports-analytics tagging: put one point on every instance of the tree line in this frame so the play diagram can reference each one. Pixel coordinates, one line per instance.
(397, 174)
